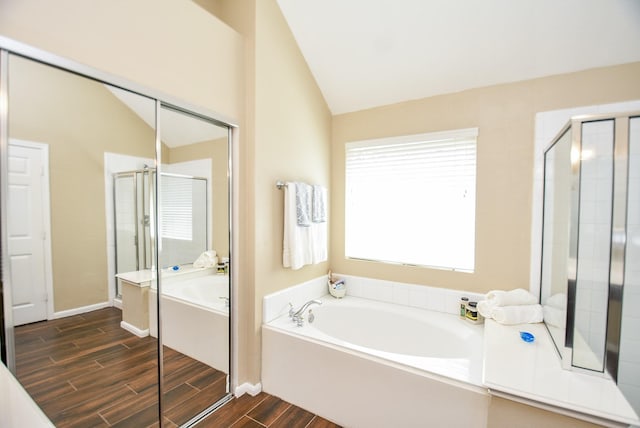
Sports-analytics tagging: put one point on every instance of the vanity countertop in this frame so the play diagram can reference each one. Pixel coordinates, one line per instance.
(138, 276)
(17, 408)
(532, 373)
(143, 278)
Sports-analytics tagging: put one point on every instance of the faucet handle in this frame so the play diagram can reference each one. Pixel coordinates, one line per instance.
(291, 311)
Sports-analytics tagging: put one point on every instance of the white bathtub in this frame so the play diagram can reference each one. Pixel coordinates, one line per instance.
(363, 363)
(195, 317)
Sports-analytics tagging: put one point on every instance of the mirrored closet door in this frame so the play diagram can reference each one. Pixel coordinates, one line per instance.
(114, 235)
(193, 258)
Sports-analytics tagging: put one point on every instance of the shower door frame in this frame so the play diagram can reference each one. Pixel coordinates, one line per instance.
(617, 239)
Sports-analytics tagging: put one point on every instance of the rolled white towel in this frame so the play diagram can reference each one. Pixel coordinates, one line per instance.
(519, 296)
(558, 300)
(485, 308)
(207, 259)
(519, 314)
(555, 316)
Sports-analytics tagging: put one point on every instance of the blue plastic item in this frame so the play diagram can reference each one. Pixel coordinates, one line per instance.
(527, 337)
(175, 267)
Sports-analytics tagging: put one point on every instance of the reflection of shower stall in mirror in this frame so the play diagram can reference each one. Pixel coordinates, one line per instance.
(590, 275)
(131, 192)
(182, 219)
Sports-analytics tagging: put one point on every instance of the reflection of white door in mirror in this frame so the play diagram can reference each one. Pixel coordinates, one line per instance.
(27, 230)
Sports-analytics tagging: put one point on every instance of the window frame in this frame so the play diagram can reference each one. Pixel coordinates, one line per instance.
(462, 136)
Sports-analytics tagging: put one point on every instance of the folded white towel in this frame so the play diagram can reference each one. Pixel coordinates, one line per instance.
(319, 204)
(485, 308)
(303, 204)
(519, 296)
(558, 300)
(207, 259)
(520, 314)
(500, 298)
(555, 316)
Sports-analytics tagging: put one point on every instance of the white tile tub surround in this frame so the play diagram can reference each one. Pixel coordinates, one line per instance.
(276, 304)
(417, 296)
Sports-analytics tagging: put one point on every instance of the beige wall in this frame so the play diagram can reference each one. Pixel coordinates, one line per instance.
(217, 151)
(80, 120)
(286, 136)
(172, 46)
(505, 117)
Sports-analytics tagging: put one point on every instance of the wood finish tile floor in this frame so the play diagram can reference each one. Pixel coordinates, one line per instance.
(86, 371)
(262, 411)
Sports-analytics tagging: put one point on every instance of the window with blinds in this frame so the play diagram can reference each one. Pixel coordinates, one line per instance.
(177, 207)
(411, 200)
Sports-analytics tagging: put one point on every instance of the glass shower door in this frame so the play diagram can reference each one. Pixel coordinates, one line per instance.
(125, 214)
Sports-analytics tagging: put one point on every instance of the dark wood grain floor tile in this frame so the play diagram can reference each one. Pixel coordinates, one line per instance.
(142, 382)
(92, 420)
(116, 374)
(185, 410)
(293, 417)
(269, 410)
(123, 353)
(143, 418)
(178, 395)
(122, 410)
(318, 422)
(57, 373)
(50, 390)
(233, 411)
(77, 405)
(182, 374)
(247, 422)
(206, 378)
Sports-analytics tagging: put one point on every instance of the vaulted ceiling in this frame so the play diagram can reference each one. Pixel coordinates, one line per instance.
(367, 53)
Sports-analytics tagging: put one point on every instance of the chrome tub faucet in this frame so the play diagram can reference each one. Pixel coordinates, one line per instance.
(298, 316)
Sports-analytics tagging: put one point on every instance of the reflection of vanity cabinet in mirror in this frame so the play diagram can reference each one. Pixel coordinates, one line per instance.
(92, 193)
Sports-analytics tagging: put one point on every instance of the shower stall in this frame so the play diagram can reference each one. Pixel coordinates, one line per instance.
(182, 216)
(590, 273)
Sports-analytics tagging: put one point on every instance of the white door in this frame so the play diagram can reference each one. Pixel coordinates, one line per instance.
(27, 234)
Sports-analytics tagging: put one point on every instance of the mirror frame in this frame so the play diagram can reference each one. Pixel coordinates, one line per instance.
(12, 47)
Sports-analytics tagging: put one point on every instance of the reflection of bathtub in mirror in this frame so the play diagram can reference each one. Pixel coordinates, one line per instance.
(194, 308)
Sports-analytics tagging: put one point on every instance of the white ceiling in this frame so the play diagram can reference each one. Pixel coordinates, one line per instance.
(367, 53)
(177, 129)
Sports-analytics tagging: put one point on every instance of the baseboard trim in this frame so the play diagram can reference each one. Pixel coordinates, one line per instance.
(134, 330)
(249, 388)
(80, 310)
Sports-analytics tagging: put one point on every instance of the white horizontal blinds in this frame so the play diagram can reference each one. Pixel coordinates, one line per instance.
(177, 207)
(412, 200)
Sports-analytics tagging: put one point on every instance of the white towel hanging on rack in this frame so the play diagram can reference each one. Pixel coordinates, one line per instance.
(302, 245)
